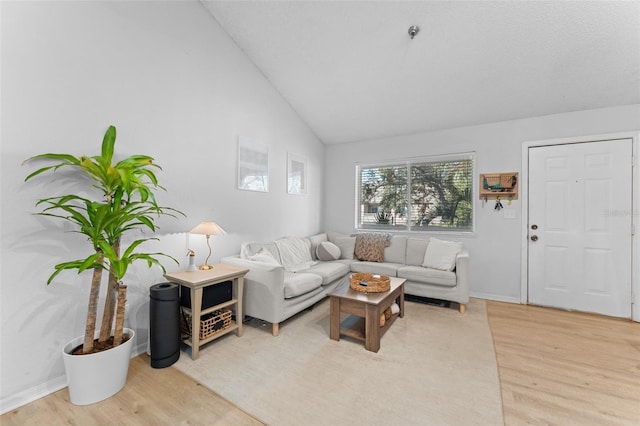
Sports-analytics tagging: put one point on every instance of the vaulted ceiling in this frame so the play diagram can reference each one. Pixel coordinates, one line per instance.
(352, 73)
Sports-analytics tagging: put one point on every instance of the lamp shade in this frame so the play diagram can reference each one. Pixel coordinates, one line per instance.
(208, 228)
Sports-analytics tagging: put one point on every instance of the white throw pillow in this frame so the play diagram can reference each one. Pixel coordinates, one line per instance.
(315, 240)
(347, 246)
(327, 251)
(441, 254)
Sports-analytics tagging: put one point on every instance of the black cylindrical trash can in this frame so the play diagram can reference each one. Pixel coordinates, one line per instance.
(164, 324)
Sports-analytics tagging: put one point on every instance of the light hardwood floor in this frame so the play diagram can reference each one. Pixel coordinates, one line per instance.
(556, 368)
(151, 397)
(566, 368)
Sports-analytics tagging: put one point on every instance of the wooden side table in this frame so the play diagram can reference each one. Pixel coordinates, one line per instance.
(198, 280)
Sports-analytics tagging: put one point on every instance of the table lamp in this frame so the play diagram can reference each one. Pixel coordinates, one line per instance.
(208, 228)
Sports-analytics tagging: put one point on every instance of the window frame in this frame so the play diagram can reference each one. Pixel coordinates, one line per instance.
(408, 163)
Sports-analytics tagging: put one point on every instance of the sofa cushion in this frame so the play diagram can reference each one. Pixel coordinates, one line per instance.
(441, 254)
(347, 262)
(327, 251)
(385, 268)
(347, 246)
(254, 247)
(370, 246)
(329, 271)
(295, 253)
(396, 251)
(333, 236)
(427, 275)
(315, 240)
(416, 248)
(296, 284)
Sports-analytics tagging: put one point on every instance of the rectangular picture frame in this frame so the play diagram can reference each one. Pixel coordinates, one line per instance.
(253, 165)
(297, 170)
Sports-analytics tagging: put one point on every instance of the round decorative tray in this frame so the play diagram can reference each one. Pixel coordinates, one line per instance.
(370, 283)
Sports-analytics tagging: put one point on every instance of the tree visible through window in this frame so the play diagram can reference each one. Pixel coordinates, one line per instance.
(417, 195)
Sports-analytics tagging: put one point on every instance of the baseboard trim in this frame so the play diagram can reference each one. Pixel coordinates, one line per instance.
(19, 399)
(496, 297)
(27, 396)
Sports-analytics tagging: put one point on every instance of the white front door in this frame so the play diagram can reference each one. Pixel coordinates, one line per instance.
(580, 217)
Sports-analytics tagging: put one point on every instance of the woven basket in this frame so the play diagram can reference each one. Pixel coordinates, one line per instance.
(210, 324)
(370, 283)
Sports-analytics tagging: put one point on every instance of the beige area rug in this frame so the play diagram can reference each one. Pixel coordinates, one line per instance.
(434, 367)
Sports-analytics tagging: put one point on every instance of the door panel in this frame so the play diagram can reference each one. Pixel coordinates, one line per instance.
(555, 277)
(578, 194)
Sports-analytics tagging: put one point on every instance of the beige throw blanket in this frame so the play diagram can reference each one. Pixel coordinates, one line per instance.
(295, 253)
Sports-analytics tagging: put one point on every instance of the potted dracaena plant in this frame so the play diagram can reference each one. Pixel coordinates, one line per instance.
(125, 203)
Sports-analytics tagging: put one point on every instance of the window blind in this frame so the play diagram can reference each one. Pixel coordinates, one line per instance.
(416, 195)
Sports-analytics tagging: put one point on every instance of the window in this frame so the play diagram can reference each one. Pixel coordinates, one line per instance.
(426, 194)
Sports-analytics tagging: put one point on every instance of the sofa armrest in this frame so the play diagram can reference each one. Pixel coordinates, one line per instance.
(263, 288)
(462, 275)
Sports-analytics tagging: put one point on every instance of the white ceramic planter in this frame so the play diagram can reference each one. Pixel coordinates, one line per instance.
(95, 377)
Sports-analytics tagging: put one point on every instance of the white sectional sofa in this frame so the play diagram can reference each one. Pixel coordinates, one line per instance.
(286, 276)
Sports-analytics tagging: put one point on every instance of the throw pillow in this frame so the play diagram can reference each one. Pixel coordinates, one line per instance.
(441, 254)
(327, 251)
(315, 240)
(370, 247)
(347, 246)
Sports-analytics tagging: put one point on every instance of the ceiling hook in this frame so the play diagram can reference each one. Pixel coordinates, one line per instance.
(413, 31)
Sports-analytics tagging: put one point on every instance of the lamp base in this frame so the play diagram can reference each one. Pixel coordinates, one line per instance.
(205, 267)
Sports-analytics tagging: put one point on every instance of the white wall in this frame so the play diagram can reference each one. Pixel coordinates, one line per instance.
(177, 88)
(495, 246)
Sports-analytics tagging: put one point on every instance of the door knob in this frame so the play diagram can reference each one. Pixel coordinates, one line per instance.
(534, 226)
(534, 238)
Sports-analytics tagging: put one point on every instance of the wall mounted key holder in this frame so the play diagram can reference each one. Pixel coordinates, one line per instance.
(499, 185)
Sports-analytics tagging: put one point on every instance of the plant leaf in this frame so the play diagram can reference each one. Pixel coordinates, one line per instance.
(108, 143)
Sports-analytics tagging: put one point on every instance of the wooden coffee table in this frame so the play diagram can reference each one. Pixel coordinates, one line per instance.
(365, 310)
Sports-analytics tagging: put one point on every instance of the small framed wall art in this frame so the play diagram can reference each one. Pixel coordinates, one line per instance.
(253, 165)
(296, 174)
